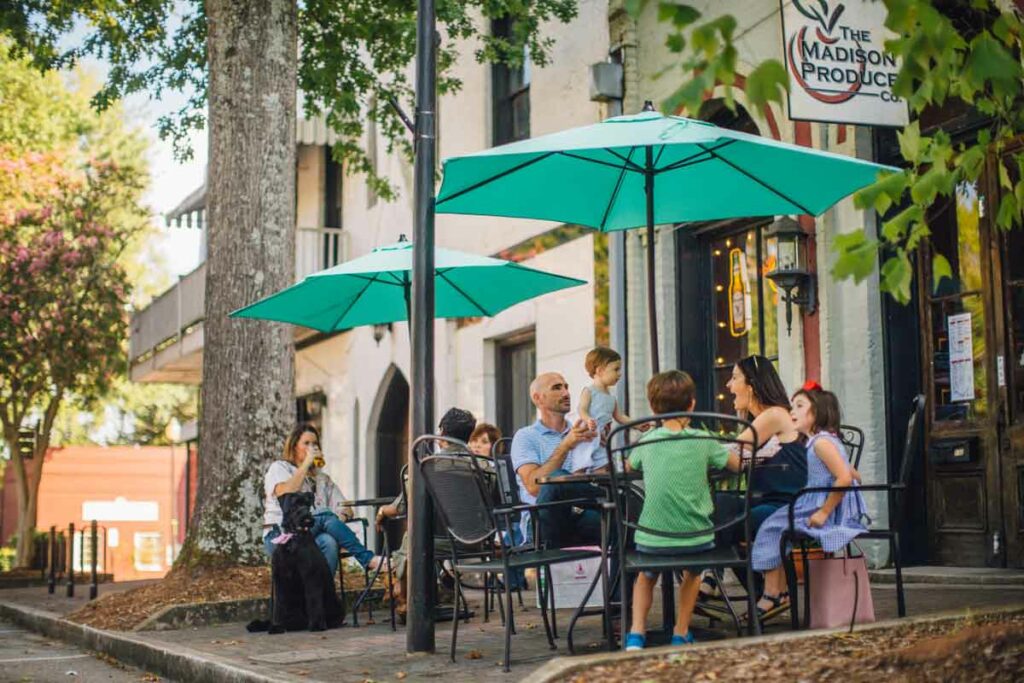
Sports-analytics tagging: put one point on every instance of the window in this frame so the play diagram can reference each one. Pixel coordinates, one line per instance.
(744, 306)
(332, 190)
(516, 368)
(148, 556)
(510, 93)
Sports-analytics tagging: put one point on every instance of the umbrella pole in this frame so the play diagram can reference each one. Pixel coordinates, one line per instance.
(652, 318)
(419, 635)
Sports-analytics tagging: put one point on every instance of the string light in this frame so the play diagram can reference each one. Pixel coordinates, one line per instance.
(721, 324)
(718, 252)
(719, 288)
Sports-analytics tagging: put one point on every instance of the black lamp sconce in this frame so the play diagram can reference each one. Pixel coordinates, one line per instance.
(797, 285)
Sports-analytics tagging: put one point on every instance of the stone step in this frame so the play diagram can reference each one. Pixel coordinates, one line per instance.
(977, 576)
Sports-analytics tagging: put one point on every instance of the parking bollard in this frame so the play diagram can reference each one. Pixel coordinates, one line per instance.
(71, 560)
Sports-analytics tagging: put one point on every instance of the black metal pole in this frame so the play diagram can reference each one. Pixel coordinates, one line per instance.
(93, 538)
(71, 560)
(652, 318)
(51, 585)
(420, 631)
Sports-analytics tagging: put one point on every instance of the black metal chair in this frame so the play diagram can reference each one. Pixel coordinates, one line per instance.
(853, 438)
(464, 494)
(508, 495)
(896, 495)
(721, 428)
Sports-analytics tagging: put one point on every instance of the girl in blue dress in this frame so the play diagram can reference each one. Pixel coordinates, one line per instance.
(832, 519)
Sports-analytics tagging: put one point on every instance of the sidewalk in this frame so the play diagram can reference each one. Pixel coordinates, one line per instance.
(376, 653)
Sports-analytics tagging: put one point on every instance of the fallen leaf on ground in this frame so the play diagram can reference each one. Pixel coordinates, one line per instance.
(474, 654)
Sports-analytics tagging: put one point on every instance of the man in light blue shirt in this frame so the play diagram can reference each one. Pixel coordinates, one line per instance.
(539, 451)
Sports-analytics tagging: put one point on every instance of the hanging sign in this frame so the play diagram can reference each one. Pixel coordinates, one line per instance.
(838, 67)
(961, 358)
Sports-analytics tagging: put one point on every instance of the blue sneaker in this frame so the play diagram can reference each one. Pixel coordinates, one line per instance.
(688, 639)
(635, 641)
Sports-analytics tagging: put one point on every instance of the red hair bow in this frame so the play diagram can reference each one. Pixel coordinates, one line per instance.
(811, 385)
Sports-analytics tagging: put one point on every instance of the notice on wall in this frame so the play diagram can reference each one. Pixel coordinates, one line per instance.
(838, 65)
(961, 358)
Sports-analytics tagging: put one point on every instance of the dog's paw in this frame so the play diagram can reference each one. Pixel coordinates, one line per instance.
(319, 626)
(257, 625)
(275, 629)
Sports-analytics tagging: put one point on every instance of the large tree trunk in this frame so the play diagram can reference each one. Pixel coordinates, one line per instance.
(248, 366)
(27, 475)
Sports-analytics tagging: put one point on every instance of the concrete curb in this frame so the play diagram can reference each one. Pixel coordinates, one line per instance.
(564, 666)
(940, 578)
(206, 614)
(179, 663)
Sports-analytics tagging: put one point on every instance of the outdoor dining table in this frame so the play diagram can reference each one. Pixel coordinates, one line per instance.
(604, 480)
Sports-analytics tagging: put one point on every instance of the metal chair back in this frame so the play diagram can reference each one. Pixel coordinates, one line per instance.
(462, 490)
(711, 428)
(853, 438)
(502, 446)
(911, 447)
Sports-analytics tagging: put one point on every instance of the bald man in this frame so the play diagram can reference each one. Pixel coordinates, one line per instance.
(539, 451)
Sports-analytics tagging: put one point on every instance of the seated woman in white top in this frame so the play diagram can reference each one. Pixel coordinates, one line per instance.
(296, 473)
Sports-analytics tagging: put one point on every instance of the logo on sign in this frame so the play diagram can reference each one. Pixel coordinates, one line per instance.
(836, 58)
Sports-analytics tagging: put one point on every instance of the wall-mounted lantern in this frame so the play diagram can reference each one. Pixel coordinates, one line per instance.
(379, 331)
(797, 285)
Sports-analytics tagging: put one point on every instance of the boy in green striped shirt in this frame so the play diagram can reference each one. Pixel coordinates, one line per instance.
(677, 497)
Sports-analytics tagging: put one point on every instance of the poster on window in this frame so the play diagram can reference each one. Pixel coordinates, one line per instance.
(961, 358)
(839, 69)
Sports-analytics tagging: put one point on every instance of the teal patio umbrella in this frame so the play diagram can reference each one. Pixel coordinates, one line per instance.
(375, 288)
(648, 169)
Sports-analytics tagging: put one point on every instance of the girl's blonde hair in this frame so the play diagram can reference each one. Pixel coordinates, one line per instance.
(293, 439)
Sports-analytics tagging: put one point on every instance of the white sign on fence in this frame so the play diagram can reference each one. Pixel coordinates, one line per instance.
(839, 71)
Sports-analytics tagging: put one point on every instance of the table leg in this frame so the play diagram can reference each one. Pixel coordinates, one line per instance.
(668, 601)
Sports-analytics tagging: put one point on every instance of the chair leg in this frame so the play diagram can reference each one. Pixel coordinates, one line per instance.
(894, 548)
(807, 586)
(551, 597)
(487, 597)
(625, 600)
(455, 616)
(753, 620)
(544, 606)
(728, 604)
(508, 623)
(791, 583)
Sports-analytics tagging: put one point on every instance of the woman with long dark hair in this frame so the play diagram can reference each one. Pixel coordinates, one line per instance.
(760, 397)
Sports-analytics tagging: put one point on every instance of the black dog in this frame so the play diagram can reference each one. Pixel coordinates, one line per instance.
(303, 588)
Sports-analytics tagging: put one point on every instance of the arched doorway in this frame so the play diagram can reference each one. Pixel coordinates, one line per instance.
(389, 436)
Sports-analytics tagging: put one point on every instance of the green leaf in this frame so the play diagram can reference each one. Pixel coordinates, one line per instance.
(910, 141)
(769, 82)
(897, 227)
(935, 180)
(675, 42)
(881, 194)
(1008, 211)
(681, 16)
(988, 61)
(857, 256)
(1004, 176)
(896, 277)
(940, 270)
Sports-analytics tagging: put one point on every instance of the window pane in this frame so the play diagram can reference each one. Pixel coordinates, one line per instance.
(956, 235)
(737, 310)
(958, 337)
(770, 316)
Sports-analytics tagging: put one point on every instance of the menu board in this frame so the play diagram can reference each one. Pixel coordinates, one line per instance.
(961, 358)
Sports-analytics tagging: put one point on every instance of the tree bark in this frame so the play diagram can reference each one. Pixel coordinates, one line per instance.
(27, 475)
(248, 366)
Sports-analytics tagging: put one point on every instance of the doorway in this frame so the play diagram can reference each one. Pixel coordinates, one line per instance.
(391, 443)
(973, 370)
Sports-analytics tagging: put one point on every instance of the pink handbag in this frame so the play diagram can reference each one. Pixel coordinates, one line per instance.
(840, 592)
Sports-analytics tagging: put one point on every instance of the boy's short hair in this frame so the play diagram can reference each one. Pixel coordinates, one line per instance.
(672, 391)
(598, 357)
(825, 405)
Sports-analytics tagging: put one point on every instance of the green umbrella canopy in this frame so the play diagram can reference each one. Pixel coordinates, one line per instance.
(375, 289)
(594, 175)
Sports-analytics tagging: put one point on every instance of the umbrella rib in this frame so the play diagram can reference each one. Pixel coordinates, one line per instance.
(352, 303)
(595, 161)
(658, 158)
(615, 192)
(467, 297)
(499, 176)
(633, 166)
(758, 181)
(373, 279)
(693, 159)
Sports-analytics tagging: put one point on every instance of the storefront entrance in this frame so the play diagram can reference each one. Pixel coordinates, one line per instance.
(972, 351)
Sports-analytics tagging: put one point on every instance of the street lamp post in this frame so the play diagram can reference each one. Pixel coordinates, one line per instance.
(420, 630)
